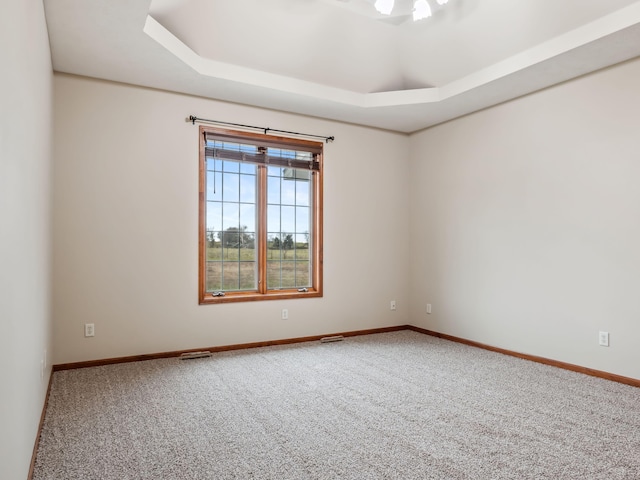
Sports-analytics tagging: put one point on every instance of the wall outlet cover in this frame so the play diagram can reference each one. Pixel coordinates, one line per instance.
(89, 330)
(603, 339)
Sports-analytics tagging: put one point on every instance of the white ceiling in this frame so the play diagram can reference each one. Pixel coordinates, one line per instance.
(340, 59)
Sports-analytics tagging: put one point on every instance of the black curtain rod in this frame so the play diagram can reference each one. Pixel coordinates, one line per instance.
(194, 119)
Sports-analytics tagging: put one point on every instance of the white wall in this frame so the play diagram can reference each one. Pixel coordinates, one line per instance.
(519, 224)
(126, 225)
(526, 223)
(25, 156)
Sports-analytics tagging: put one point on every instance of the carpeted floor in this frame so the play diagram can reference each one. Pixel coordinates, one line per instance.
(391, 406)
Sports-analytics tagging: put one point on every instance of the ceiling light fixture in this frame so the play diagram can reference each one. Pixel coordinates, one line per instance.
(421, 9)
(384, 6)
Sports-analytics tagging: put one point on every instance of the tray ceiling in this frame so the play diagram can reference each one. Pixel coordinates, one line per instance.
(340, 59)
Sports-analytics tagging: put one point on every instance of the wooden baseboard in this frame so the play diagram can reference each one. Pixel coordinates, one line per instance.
(554, 363)
(224, 348)
(153, 356)
(32, 466)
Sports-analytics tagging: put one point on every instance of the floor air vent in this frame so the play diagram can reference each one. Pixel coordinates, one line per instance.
(190, 355)
(335, 338)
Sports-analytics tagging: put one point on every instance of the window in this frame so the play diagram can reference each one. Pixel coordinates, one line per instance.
(260, 217)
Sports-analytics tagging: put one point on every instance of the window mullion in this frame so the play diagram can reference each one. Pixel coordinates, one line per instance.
(262, 229)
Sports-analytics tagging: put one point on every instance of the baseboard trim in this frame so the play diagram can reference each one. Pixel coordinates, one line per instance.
(224, 348)
(36, 444)
(546, 361)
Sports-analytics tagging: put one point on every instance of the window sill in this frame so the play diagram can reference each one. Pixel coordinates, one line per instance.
(231, 297)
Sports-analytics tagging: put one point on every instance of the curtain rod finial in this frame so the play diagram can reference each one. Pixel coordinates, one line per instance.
(192, 119)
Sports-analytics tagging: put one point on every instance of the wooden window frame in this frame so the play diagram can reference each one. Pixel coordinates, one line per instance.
(316, 256)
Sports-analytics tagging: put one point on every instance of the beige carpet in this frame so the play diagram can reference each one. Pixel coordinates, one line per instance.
(391, 406)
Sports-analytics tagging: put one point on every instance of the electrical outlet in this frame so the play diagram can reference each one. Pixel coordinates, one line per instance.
(392, 305)
(285, 314)
(428, 308)
(89, 330)
(603, 339)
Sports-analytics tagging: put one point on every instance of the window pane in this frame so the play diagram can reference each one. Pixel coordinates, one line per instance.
(302, 219)
(214, 179)
(214, 164)
(273, 275)
(248, 217)
(248, 245)
(287, 245)
(247, 188)
(230, 166)
(288, 274)
(302, 252)
(273, 246)
(249, 168)
(236, 239)
(230, 276)
(228, 253)
(303, 274)
(230, 216)
(249, 252)
(231, 186)
(302, 194)
(247, 276)
(214, 215)
(288, 219)
(214, 276)
(214, 247)
(273, 190)
(273, 218)
(288, 192)
(274, 171)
